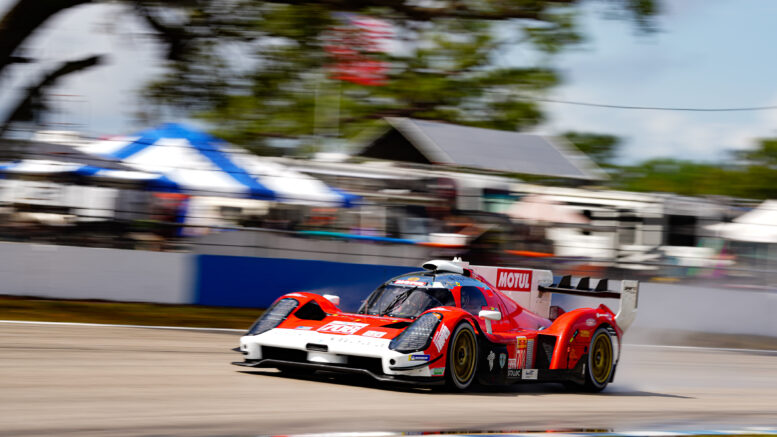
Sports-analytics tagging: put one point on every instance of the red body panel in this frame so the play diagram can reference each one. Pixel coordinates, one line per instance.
(518, 330)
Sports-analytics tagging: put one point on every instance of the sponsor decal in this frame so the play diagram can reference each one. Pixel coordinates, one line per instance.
(585, 333)
(374, 334)
(490, 359)
(414, 278)
(520, 352)
(513, 373)
(440, 337)
(407, 282)
(590, 322)
(306, 328)
(419, 357)
(513, 280)
(358, 340)
(502, 360)
(346, 328)
(512, 363)
(438, 371)
(605, 315)
(529, 374)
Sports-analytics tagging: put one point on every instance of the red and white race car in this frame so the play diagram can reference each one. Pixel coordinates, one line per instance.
(452, 323)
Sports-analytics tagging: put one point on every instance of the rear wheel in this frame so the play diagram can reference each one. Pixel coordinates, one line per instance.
(601, 361)
(462, 357)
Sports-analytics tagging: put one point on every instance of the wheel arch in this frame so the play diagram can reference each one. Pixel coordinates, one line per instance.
(569, 326)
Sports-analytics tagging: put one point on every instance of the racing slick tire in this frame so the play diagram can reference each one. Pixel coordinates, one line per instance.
(601, 362)
(462, 361)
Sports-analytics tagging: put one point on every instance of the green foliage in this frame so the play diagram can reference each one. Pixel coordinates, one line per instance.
(753, 176)
(675, 176)
(765, 155)
(698, 179)
(259, 70)
(601, 148)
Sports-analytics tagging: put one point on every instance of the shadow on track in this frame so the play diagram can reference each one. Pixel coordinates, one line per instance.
(477, 390)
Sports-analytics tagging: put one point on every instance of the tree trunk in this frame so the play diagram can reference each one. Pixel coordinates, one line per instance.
(22, 20)
(32, 102)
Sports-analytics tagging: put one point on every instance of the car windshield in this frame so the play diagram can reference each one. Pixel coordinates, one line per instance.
(405, 301)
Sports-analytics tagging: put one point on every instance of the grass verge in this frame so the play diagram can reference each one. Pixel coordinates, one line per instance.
(125, 313)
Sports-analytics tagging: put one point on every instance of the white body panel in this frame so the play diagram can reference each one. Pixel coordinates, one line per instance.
(628, 304)
(338, 345)
(538, 302)
(532, 299)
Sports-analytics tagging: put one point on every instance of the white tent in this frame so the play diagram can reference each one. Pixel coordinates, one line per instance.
(757, 226)
(196, 163)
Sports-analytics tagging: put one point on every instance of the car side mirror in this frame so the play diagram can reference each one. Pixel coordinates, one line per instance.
(332, 298)
(488, 316)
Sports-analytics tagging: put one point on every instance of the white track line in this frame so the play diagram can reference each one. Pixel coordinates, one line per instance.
(706, 348)
(637, 433)
(104, 325)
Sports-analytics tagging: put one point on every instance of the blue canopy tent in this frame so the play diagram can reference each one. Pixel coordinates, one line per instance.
(51, 161)
(197, 163)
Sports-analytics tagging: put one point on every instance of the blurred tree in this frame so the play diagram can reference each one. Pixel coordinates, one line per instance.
(25, 17)
(754, 181)
(258, 69)
(601, 148)
(21, 20)
(765, 154)
(263, 70)
(674, 176)
(758, 175)
(18, 23)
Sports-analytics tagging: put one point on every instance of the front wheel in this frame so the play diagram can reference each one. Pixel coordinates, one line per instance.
(462, 357)
(601, 361)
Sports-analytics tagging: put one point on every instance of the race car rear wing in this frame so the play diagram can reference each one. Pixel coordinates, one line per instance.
(532, 289)
(628, 295)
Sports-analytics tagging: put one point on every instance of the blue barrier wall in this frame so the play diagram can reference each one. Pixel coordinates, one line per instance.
(256, 282)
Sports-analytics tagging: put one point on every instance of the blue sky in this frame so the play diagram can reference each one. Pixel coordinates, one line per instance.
(708, 53)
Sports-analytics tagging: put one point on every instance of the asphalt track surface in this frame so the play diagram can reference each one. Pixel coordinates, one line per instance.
(96, 380)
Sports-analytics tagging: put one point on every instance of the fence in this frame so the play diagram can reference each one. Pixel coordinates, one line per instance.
(135, 275)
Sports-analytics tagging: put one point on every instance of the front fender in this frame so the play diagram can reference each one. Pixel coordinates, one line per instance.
(304, 297)
(451, 316)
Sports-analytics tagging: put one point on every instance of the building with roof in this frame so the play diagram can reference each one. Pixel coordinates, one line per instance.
(431, 142)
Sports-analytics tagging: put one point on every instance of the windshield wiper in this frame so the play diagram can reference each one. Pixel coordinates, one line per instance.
(400, 297)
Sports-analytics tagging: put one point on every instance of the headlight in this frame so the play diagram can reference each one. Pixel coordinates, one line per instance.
(418, 335)
(273, 316)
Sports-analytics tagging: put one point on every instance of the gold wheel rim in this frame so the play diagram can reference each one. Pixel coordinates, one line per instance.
(463, 351)
(601, 358)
